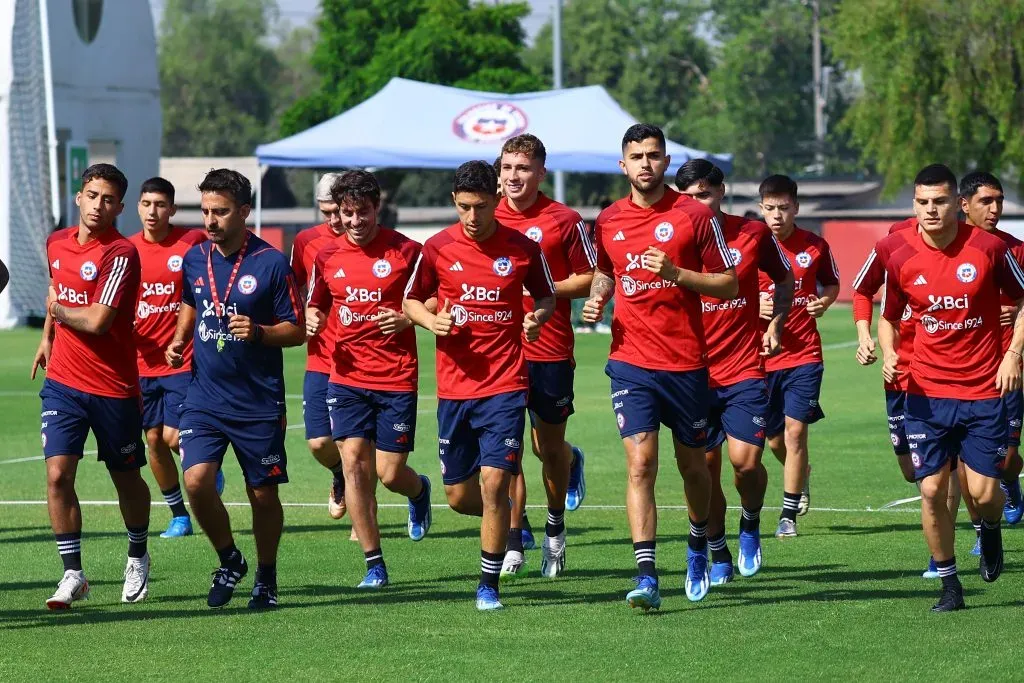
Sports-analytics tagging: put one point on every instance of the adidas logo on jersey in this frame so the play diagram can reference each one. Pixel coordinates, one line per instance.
(457, 267)
(920, 280)
(56, 264)
(340, 273)
(619, 237)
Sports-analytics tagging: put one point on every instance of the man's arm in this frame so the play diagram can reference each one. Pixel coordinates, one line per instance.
(96, 318)
(575, 286)
(175, 352)
(724, 285)
(817, 306)
(771, 340)
(42, 357)
(889, 342)
(602, 288)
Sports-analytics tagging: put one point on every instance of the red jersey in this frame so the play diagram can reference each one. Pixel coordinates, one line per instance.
(657, 324)
(104, 270)
(565, 241)
(1016, 249)
(483, 283)
(953, 294)
(304, 250)
(811, 260)
(156, 314)
(870, 278)
(351, 283)
(731, 325)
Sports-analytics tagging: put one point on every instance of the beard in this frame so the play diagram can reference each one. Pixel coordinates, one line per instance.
(645, 186)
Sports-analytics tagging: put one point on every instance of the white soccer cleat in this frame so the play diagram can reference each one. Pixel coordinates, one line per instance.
(336, 507)
(72, 587)
(552, 558)
(513, 565)
(136, 579)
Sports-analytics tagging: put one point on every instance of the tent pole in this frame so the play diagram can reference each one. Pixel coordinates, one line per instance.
(259, 200)
(556, 71)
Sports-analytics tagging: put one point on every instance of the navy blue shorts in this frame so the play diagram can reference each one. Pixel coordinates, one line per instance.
(69, 414)
(162, 398)
(480, 432)
(387, 417)
(643, 400)
(895, 407)
(314, 405)
(551, 391)
(794, 393)
(938, 429)
(738, 410)
(1014, 412)
(258, 445)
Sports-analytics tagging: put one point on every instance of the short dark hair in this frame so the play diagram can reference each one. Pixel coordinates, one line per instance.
(936, 174)
(112, 174)
(975, 180)
(527, 144)
(639, 132)
(159, 186)
(699, 171)
(230, 182)
(475, 176)
(775, 185)
(357, 187)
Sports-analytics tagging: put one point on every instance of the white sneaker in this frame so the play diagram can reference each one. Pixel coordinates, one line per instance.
(136, 579)
(72, 587)
(552, 558)
(512, 565)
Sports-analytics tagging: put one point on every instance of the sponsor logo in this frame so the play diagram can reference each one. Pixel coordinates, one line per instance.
(73, 296)
(631, 286)
(663, 231)
(478, 293)
(207, 334)
(401, 427)
(535, 233)
(511, 457)
(444, 442)
(219, 310)
(88, 271)
(620, 419)
(917, 437)
(247, 285)
(619, 237)
(349, 317)
(803, 259)
(1015, 423)
(185, 432)
(920, 281)
(275, 471)
(144, 310)
(56, 264)
(616, 405)
(564, 401)
(158, 288)
(489, 122)
(966, 272)
(907, 313)
(461, 316)
(382, 268)
(402, 439)
(512, 443)
(948, 303)
(759, 421)
(709, 307)
(129, 448)
(457, 267)
(737, 256)
(174, 264)
(339, 273)
(199, 282)
(633, 261)
(700, 424)
(620, 392)
(44, 425)
(49, 413)
(502, 266)
(363, 295)
(812, 403)
(932, 325)
(270, 460)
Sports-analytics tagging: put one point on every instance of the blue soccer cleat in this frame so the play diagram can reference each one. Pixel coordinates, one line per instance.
(1013, 509)
(932, 572)
(487, 598)
(375, 579)
(529, 542)
(976, 550)
(645, 595)
(721, 573)
(577, 490)
(219, 482)
(179, 526)
(419, 514)
(697, 578)
(750, 553)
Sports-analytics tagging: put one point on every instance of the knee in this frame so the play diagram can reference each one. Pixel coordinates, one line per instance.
(747, 469)
(193, 481)
(642, 469)
(265, 497)
(458, 500)
(795, 434)
(60, 480)
(988, 496)
(320, 445)
(153, 439)
(932, 491)
(171, 438)
(387, 473)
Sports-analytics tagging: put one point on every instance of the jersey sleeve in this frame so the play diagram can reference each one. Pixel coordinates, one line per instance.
(189, 276)
(319, 296)
(714, 252)
(828, 271)
(894, 299)
(604, 260)
(579, 249)
(119, 274)
(871, 275)
(538, 280)
(771, 260)
(1009, 274)
(299, 270)
(862, 308)
(287, 306)
(423, 281)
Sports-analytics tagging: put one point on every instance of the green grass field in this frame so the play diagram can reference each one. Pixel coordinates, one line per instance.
(844, 600)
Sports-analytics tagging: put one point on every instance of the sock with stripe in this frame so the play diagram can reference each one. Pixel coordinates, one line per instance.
(644, 551)
(490, 568)
(175, 501)
(229, 556)
(556, 522)
(790, 504)
(267, 573)
(70, 548)
(976, 523)
(698, 538)
(947, 572)
(374, 557)
(750, 520)
(719, 548)
(138, 537)
(515, 540)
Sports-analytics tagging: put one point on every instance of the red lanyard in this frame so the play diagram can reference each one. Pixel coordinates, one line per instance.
(218, 310)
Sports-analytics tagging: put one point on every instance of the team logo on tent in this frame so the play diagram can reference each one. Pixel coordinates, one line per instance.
(88, 271)
(535, 234)
(966, 272)
(382, 268)
(174, 263)
(489, 122)
(247, 285)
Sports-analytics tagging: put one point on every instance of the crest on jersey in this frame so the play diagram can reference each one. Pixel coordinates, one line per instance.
(906, 313)
(174, 263)
(503, 266)
(88, 271)
(803, 259)
(663, 231)
(489, 122)
(736, 256)
(535, 233)
(247, 285)
(966, 272)
(382, 268)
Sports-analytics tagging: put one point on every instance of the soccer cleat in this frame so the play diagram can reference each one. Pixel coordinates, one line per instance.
(990, 568)
(721, 573)
(512, 565)
(976, 550)
(179, 526)
(420, 515)
(786, 528)
(376, 578)
(645, 595)
(552, 558)
(805, 496)
(750, 553)
(136, 579)
(951, 600)
(264, 596)
(224, 581)
(336, 500)
(487, 598)
(932, 572)
(219, 482)
(529, 542)
(697, 578)
(73, 586)
(1013, 509)
(577, 490)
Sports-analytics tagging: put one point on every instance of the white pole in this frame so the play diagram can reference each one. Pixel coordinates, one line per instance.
(51, 131)
(259, 200)
(556, 70)
(819, 93)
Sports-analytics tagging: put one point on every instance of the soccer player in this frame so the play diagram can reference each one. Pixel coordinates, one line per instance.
(479, 269)
(359, 281)
(240, 306)
(319, 347)
(794, 374)
(92, 381)
(565, 241)
(658, 252)
(161, 250)
(951, 275)
(735, 347)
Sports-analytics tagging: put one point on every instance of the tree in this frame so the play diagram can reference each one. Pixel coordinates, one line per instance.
(941, 82)
(216, 76)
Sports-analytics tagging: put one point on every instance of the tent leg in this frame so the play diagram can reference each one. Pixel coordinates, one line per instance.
(259, 200)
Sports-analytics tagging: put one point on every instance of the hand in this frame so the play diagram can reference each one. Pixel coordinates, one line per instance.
(767, 307)
(593, 310)
(889, 371)
(242, 327)
(42, 357)
(531, 326)
(391, 322)
(771, 342)
(866, 351)
(1008, 377)
(1007, 315)
(441, 325)
(656, 261)
(315, 321)
(175, 354)
(816, 307)
(51, 297)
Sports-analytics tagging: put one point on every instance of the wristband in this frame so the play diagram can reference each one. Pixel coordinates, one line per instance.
(1016, 353)
(257, 337)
